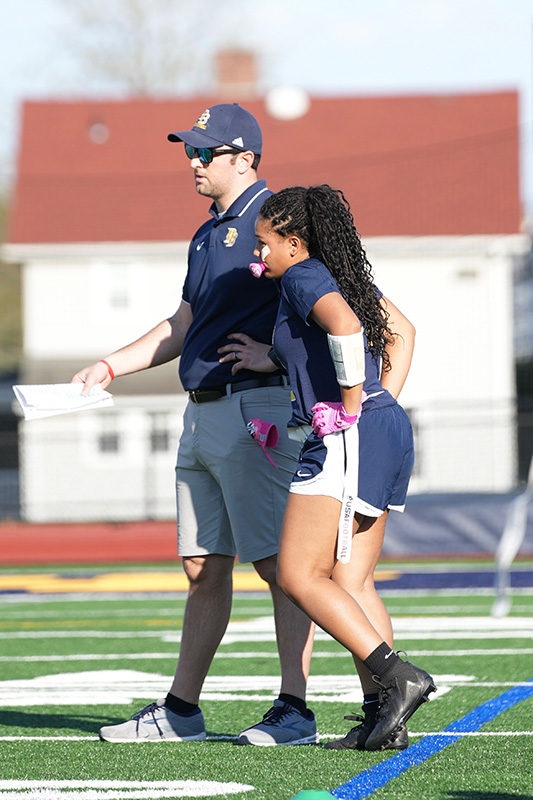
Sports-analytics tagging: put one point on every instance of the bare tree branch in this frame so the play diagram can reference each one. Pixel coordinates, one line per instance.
(145, 47)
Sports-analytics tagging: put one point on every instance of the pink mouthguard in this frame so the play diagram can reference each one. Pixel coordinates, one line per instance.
(257, 269)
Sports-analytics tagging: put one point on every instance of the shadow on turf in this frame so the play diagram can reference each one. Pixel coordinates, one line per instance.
(485, 796)
(83, 723)
(30, 719)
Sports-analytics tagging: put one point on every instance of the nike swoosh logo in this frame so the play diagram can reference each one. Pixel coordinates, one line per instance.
(199, 246)
(304, 474)
(389, 654)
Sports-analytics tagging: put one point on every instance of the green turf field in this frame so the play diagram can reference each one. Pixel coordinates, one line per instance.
(72, 663)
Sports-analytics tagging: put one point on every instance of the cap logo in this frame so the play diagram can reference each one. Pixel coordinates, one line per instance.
(231, 237)
(238, 142)
(202, 120)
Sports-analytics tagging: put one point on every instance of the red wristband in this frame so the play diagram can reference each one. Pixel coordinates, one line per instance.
(111, 373)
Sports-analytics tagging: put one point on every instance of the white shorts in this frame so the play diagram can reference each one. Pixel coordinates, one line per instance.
(384, 462)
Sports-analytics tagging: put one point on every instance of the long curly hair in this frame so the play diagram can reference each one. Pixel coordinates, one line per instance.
(321, 217)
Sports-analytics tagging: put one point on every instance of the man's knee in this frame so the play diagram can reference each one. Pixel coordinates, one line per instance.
(210, 572)
(266, 569)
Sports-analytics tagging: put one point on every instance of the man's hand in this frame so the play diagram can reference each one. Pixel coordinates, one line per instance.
(246, 353)
(96, 373)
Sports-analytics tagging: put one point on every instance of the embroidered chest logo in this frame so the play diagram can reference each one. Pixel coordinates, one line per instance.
(231, 237)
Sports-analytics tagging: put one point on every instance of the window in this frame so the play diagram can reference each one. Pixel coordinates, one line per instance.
(159, 433)
(119, 286)
(109, 437)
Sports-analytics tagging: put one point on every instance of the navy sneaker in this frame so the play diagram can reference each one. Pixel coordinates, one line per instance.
(282, 724)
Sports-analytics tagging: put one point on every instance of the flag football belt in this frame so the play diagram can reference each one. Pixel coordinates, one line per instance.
(209, 395)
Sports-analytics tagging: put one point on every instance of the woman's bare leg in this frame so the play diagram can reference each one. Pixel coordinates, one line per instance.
(357, 578)
(305, 573)
(305, 566)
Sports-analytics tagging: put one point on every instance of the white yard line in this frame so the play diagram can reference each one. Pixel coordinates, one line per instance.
(515, 651)
(116, 790)
(215, 737)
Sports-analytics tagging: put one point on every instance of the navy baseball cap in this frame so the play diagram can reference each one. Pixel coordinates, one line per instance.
(225, 123)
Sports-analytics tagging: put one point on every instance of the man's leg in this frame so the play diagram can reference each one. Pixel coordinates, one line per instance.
(177, 717)
(205, 621)
(289, 721)
(294, 633)
(206, 544)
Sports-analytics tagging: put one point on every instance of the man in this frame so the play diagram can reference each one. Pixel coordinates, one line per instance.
(230, 498)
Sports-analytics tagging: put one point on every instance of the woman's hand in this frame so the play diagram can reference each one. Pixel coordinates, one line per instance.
(246, 353)
(333, 417)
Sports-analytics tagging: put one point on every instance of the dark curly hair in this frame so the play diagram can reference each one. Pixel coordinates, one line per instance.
(321, 217)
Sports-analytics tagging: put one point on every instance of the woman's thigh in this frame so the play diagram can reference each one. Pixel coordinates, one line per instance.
(367, 542)
(308, 537)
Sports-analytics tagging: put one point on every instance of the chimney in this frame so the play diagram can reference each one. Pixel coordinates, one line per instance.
(236, 74)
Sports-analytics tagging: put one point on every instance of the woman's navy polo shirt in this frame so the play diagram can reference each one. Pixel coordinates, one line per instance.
(302, 345)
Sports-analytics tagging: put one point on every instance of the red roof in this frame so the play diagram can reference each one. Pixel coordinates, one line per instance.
(409, 165)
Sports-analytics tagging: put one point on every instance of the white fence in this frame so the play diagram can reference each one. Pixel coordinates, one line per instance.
(118, 464)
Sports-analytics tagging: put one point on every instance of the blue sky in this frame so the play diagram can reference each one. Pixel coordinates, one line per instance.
(335, 48)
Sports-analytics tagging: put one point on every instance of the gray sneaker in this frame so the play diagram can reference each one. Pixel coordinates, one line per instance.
(156, 723)
(282, 724)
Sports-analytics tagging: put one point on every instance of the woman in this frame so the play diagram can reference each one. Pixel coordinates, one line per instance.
(347, 350)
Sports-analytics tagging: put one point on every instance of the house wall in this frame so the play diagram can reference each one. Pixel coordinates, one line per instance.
(117, 464)
(89, 299)
(458, 292)
(460, 393)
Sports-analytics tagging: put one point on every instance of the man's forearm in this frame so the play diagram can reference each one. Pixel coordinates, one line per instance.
(161, 344)
(154, 348)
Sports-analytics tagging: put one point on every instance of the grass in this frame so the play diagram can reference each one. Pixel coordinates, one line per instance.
(87, 640)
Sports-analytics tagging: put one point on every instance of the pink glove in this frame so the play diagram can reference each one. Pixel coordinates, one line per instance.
(257, 269)
(332, 417)
(266, 433)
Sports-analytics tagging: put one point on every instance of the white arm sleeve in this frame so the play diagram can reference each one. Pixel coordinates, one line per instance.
(348, 354)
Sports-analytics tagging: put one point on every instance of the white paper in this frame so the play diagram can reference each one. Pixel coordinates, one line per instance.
(49, 399)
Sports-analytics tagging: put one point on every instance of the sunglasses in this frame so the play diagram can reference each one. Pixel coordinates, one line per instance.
(207, 154)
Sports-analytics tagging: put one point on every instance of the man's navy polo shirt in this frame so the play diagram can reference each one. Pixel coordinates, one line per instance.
(223, 294)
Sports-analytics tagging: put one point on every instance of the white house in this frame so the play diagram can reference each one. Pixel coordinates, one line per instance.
(100, 226)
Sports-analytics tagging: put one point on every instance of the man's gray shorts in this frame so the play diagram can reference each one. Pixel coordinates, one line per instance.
(230, 498)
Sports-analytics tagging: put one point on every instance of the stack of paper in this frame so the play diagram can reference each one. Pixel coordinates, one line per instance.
(47, 400)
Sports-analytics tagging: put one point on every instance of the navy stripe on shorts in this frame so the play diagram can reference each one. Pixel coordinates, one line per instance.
(386, 459)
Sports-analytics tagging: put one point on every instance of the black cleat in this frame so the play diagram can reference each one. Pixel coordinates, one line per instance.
(398, 740)
(357, 737)
(399, 698)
